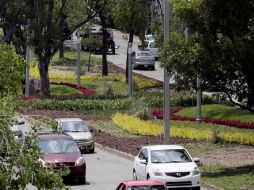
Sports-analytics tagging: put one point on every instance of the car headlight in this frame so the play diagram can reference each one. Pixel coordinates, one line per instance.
(42, 162)
(157, 172)
(196, 171)
(80, 161)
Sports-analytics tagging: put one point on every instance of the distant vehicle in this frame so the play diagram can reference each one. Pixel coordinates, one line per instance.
(149, 37)
(61, 151)
(93, 41)
(143, 59)
(151, 47)
(77, 128)
(141, 185)
(170, 164)
(15, 126)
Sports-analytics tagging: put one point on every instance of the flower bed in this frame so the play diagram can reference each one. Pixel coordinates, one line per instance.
(190, 130)
(231, 123)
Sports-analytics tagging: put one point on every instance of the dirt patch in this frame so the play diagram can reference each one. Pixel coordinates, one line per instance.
(234, 155)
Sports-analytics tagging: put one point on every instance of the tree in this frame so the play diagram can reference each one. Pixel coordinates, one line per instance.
(131, 16)
(43, 23)
(219, 47)
(19, 164)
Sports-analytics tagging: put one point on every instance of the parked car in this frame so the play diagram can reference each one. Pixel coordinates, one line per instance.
(141, 185)
(77, 128)
(170, 164)
(61, 151)
(15, 125)
(143, 59)
(151, 47)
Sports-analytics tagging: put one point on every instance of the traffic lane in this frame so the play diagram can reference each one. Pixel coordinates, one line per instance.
(105, 171)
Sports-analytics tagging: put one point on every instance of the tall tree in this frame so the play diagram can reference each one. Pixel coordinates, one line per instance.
(43, 21)
(131, 16)
(220, 46)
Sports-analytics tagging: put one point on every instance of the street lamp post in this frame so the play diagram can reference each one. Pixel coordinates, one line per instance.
(78, 59)
(27, 82)
(130, 69)
(199, 98)
(166, 107)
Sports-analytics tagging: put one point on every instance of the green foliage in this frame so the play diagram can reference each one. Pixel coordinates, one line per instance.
(78, 104)
(219, 46)
(20, 164)
(12, 71)
(220, 111)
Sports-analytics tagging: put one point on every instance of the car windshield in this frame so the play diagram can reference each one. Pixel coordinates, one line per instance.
(57, 146)
(154, 187)
(74, 126)
(143, 53)
(170, 156)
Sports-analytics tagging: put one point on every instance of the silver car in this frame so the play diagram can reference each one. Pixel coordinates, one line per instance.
(78, 130)
(16, 128)
(143, 59)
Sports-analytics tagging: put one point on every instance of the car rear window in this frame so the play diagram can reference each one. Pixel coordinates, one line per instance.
(74, 126)
(154, 187)
(57, 146)
(143, 54)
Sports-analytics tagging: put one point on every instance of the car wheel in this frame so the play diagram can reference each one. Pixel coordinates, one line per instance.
(82, 180)
(195, 188)
(153, 68)
(134, 175)
(91, 150)
(148, 177)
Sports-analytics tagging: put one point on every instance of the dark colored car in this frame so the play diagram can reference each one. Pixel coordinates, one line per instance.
(141, 185)
(61, 151)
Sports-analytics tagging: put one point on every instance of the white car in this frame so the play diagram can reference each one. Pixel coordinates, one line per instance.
(151, 47)
(78, 130)
(16, 125)
(170, 164)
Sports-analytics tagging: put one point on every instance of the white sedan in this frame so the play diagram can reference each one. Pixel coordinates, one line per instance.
(170, 164)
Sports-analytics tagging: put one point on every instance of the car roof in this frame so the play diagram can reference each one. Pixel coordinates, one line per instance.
(142, 182)
(47, 136)
(68, 119)
(163, 147)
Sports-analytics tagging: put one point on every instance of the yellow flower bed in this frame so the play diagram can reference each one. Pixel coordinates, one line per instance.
(137, 126)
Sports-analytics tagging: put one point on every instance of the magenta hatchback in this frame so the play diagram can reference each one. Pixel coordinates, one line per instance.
(61, 150)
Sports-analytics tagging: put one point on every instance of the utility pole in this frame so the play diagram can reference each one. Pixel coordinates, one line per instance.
(78, 59)
(199, 97)
(130, 69)
(166, 106)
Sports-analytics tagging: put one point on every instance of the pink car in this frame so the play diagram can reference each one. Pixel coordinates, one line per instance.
(141, 185)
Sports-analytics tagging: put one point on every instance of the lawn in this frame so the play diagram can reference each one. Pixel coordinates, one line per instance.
(63, 90)
(219, 111)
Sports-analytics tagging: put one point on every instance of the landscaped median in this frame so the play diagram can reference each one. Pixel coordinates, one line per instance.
(183, 129)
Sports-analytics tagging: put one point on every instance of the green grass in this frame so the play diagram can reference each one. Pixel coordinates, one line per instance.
(220, 111)
(229, 178)
(63, 90)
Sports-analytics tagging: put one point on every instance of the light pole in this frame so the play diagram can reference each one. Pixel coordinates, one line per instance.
(130, 69)
(78, 60)
(199, 98)
(166, 107)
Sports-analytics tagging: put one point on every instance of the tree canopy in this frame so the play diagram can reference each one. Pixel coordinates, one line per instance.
(220, 46)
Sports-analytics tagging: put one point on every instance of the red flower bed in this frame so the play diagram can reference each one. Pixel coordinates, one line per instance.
(85, 92)
(231, 123)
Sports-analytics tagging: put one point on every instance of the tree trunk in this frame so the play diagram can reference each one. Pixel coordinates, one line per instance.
(61, 49)
(44, 76)
(131, 36)
(103, 19)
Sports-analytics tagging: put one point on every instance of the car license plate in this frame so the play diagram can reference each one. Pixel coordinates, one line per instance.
(145, 65)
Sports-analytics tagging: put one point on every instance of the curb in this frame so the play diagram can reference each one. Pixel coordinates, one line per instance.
(114, 151)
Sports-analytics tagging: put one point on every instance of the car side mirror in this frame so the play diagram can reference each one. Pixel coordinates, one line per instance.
(143, 161)
(196, 160)
(21, 121)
